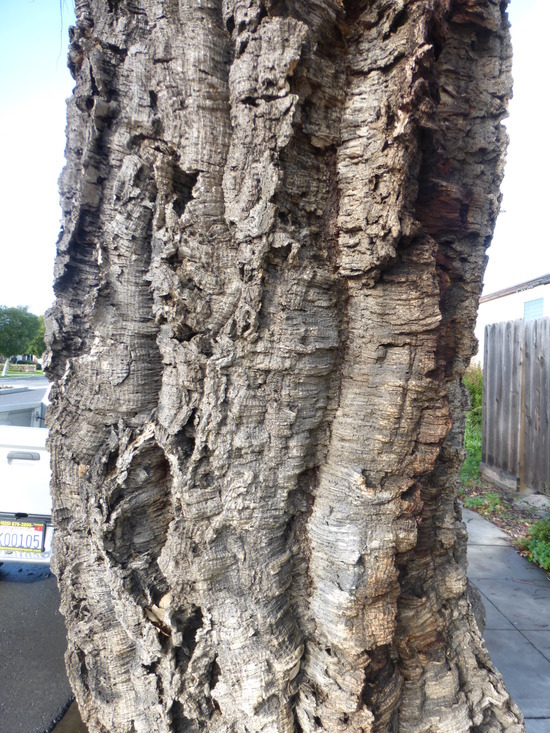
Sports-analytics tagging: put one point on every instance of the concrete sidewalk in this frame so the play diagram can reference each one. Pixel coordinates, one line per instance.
(516, 595)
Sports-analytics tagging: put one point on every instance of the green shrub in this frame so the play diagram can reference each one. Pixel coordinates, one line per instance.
(472, 443)
(541, 530)
(537, 545)
(473, 381)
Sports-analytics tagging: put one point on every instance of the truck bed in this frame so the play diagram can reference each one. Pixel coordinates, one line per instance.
(24, 493)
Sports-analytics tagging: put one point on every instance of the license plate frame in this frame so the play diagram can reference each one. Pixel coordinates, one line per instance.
(22, 535)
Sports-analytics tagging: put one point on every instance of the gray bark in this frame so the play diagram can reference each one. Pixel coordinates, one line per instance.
(274, 233)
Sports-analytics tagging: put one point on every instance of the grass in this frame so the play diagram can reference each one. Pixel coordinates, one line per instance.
(37, 373)
(487, 503)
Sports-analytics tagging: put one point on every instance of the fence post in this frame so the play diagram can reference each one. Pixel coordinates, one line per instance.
(523, 359)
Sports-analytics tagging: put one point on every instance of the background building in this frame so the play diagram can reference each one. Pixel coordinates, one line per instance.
(528, 300)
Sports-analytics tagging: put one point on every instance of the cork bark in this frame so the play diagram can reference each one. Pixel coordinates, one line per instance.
(273, 243)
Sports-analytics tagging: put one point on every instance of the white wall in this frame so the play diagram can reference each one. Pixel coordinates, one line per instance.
(507, 308)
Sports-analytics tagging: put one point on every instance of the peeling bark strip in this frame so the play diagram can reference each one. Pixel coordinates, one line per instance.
(275, 218)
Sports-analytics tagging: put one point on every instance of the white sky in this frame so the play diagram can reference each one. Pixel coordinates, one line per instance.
(520, 249)
(34, 83)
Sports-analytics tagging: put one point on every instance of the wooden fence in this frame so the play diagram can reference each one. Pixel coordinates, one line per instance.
(516, 404)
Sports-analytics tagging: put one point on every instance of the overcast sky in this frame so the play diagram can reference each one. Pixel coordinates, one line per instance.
(520, 249)
(34, 83)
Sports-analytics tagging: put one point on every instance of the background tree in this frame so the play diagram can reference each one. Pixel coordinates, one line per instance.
(37, 345)
(18, 330)
(274, 233)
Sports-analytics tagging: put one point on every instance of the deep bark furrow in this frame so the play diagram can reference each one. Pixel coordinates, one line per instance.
(279, 346)
(359, 522)
(434, 614)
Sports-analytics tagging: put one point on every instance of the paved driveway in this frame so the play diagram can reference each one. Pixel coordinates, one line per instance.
(34, 690)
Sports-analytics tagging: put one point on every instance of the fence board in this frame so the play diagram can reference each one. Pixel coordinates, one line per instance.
(516, 401)
(532, 396)
(516, 348)
(500, 397)
(492, 435)
(545, 400)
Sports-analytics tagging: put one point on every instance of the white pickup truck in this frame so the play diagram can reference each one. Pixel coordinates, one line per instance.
(25, 504)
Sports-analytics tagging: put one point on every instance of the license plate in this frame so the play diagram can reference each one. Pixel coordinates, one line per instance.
(21, 535)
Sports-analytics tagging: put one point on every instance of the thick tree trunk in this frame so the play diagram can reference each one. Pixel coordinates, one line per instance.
(275, 219)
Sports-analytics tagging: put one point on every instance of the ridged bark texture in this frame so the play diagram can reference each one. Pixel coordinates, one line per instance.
(274, 233)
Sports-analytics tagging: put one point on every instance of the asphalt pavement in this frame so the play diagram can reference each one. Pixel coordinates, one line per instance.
(34, 690)
(24, 381)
